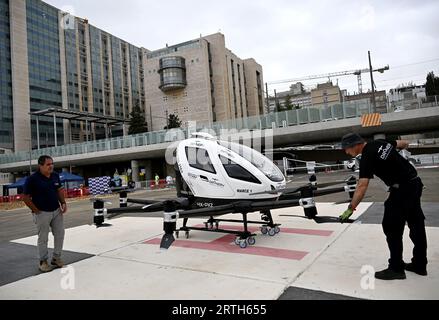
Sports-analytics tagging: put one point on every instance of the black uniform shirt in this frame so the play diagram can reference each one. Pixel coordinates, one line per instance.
(381, 158)
(43, 190)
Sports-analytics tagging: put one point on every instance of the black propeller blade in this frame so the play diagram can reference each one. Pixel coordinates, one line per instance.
(320, 220)
(145, 202)
(281, 191)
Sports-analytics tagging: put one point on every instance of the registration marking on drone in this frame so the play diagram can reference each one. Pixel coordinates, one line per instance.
(226, 244)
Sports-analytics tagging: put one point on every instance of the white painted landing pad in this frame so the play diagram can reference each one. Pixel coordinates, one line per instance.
(326, 257)
(339, 269)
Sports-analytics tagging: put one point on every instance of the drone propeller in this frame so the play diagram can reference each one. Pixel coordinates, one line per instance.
(144, 202)
(312, 184)
(281, 191)
(320, 220)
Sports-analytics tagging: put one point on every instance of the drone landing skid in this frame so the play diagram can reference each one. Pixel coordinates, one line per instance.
(243, 238)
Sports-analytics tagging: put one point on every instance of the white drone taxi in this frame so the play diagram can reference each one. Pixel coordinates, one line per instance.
(215, 178)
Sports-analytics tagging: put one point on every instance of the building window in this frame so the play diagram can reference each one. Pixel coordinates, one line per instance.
(199, 159)
(172, 73)
(235, 171)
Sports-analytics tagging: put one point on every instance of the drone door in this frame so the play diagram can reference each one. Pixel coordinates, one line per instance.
(203, 177)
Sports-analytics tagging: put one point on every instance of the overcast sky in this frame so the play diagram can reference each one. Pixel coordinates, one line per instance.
(290, 39)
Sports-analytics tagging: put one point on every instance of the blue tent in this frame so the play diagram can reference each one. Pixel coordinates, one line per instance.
(68, 177)
(19, 184)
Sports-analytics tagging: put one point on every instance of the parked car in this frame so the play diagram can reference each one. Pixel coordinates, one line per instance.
(354, 164)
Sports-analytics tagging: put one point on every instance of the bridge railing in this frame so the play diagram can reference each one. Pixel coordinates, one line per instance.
(268, 121)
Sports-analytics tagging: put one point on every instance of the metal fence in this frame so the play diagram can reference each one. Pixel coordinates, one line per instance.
(268, 121)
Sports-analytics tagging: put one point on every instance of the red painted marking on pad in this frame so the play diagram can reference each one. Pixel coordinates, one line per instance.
(232, 248)
(309, 232)
(227, 243)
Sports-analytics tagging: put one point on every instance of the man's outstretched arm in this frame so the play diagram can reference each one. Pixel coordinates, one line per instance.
(402, 144)
(360, 192)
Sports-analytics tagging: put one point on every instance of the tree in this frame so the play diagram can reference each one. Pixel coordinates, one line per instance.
(173, 122)
(278, 108)
(137, 121)
(287, 104)
(432, 85)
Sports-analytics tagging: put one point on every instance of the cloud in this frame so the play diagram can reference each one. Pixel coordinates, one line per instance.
(288, 38)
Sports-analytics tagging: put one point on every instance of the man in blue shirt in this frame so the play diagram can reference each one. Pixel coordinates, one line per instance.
(43, 194)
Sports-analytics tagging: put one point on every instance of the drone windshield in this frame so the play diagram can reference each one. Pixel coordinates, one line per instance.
(261, 162)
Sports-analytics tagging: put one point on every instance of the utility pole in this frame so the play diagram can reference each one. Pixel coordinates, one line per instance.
(275, 101)
(373, 85)
(266, 93)
(150, 116)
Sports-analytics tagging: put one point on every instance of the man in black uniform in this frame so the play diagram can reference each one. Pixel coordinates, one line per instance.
(403, 205)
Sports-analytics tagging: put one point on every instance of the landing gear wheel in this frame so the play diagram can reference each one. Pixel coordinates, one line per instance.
(237, 241)
(276, 229)
(216, 225)
(251, 241)
(187, 234)
(271, 232)
(243, 244)
(264, 230)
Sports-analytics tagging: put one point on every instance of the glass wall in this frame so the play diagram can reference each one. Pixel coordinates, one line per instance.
(44, 68)
(172, 73)
(6, 115)
(134, 70)
(117, 77)
(96, 70)
(95, 48)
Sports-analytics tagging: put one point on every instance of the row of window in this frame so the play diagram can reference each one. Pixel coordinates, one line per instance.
(199, 159)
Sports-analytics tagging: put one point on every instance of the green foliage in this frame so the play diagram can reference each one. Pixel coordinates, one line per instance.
(137, 121)
(173, 122)
(287, 104)
(432, 85)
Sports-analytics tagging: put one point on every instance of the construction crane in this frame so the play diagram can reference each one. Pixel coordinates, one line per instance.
(335, 74)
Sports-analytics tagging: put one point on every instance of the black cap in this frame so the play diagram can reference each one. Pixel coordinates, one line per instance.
(351, 140)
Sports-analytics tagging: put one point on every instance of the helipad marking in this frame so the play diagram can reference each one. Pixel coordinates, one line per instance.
(226, 244)
(310, 232)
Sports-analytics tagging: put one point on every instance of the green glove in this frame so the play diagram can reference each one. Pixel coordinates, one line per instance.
(346, 215)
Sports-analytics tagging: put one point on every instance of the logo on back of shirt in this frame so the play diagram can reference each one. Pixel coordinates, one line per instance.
(384, 152)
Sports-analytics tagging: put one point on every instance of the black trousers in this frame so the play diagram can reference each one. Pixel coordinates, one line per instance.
(404, 206)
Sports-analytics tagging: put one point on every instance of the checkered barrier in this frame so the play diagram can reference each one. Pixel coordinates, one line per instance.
(100, 185)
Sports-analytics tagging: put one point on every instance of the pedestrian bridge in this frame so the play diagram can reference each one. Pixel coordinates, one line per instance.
(293, 127)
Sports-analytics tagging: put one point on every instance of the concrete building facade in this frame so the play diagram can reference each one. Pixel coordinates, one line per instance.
(406, 93)
(326, 94)
(380, 98)
(298, 96)
(50, 59)
(201, 80)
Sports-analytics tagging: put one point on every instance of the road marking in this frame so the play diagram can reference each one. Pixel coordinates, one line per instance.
(226, 244)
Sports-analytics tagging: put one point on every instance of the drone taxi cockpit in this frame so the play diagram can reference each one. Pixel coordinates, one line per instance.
(217, 171)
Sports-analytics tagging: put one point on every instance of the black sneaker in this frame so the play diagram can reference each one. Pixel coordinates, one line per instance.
(422, 271)
(390, 274)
